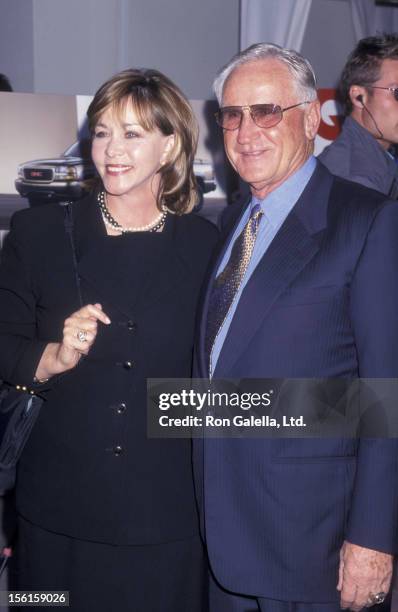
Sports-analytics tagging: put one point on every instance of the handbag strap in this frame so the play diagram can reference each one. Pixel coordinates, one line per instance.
(68, 222)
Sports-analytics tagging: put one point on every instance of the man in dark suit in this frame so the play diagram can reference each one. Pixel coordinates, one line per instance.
(304, 286)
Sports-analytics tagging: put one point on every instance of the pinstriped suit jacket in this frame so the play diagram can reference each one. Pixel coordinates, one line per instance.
(323, 302)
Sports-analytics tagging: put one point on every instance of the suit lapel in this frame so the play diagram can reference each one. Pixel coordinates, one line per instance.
(289, 253)
(291, 250)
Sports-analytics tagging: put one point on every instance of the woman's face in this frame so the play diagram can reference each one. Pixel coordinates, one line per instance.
(128, 157)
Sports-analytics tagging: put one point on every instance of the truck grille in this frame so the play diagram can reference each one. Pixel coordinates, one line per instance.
(38, 174)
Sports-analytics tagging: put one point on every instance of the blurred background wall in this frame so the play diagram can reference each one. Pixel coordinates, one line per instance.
(72, 46)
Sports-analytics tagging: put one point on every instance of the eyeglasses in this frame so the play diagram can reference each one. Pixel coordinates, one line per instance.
(394, 90)
(263, 115)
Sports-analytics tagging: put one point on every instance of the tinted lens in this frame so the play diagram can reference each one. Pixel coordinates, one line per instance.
(229, 118)
(266, 115)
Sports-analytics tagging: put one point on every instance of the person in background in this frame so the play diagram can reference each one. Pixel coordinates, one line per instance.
(369, 92)
(104, 512)
(303, 286)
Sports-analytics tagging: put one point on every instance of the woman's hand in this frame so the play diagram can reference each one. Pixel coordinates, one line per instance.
(80, 332)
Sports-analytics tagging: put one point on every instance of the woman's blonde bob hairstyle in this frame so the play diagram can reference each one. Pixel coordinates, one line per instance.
(158, 103)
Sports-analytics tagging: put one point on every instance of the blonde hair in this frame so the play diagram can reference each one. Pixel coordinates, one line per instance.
(158, 103)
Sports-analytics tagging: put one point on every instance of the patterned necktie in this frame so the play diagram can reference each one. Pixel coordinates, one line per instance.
(229, 280)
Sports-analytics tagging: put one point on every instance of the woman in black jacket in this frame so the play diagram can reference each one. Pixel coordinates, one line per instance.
(105, 512)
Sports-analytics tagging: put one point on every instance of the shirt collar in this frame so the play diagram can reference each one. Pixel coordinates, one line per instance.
(278, 203)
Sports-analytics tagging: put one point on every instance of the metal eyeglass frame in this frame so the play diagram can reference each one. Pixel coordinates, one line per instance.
(393, 89)
(276, 111)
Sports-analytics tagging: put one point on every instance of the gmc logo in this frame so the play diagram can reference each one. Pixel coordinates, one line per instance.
(36, 173)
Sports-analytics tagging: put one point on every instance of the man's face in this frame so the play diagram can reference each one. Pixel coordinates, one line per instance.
(266, 157)
(383, 106)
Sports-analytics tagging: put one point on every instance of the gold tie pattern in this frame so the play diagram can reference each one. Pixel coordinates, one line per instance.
(227, 283)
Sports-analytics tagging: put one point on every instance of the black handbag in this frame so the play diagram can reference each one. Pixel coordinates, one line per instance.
(19, 409)
(20, 406)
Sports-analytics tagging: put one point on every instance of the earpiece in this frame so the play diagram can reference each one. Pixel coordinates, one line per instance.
(360, 99)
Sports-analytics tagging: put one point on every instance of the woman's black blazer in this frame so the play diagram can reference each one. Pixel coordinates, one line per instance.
(88, 469)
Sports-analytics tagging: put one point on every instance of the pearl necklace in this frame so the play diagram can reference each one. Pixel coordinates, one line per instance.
(154, 226)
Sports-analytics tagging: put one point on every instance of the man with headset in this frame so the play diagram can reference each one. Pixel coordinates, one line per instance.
(369, 91)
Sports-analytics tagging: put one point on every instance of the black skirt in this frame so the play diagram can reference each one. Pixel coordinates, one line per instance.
(167, 577)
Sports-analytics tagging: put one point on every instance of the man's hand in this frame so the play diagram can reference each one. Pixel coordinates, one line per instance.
(362, 572)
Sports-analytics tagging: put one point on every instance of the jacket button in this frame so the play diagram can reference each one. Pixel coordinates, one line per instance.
(120, 408)
(117, 451)
(128, 365)
(131, 326)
